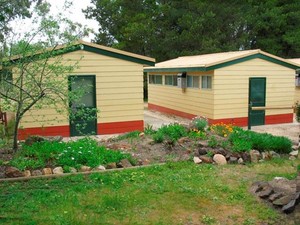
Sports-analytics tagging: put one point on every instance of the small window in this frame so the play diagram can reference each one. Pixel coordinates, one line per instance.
(193, 81)
(171, 80)
(155, 79)
(5, 75)
(206, 82)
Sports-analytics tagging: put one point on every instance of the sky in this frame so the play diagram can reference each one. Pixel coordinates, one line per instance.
(74, 13)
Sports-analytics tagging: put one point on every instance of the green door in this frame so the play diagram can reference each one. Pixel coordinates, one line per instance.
(83, 115)
(257, 97)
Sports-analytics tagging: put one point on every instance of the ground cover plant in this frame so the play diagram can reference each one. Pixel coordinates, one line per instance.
(67, 154)
(175, 193)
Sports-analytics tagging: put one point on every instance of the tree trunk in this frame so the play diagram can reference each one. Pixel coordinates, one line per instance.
(15, 141)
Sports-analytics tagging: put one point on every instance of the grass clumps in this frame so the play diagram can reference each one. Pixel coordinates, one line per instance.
(170, 133)
(69, 154)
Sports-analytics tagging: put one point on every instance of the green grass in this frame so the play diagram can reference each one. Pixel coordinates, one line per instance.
(175, 193)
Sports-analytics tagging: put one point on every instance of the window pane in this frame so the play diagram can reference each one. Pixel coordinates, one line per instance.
(151, 79)
(168, 80)
(158, 79)
(189, 81)
(209, 82)
(196, 82)
(206, 82)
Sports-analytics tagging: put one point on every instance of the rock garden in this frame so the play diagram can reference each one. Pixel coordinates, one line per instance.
(197, 142)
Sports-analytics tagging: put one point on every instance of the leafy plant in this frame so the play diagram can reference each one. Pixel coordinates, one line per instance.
(171, 132)
(149, 130)
(212, 142)
(199, 123)
(194, 133)
(221, 129)
(241, 145)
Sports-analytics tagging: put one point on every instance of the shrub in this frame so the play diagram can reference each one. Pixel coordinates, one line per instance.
(67, 154)
(199, 123)
(212, 142)
(171, 132)
(194, 133)
(221, 129)
(241, 145)
(261, 142)
(149, 130)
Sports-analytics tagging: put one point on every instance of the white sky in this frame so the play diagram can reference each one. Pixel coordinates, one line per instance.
(74, 13)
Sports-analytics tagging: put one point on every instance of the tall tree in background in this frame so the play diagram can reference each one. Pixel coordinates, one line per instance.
(166, 29)
(12, 9)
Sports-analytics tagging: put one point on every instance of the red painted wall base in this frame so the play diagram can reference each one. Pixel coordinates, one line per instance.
(240, 121)
(103, 128)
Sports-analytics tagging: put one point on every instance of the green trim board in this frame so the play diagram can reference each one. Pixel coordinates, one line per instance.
(221, 65)
(117, 55)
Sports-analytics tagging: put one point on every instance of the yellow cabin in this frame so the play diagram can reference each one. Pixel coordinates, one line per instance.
(229, 87)
(116, 81)
(297, 81)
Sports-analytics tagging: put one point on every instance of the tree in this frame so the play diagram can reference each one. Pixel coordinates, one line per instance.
(33, 73)
(167, 29)
(12, 9)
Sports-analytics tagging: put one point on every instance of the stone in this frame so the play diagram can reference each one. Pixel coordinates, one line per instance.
(46, 171)
(275, 196)
(58, 170)
(254, 156)
(233, 159)
(36, 173)
(275, 154)
(202, 151)
(240, 161)
(246, 157)
(288, 208)
(125, 163)
(283, 200)
(266, 155)
(281, 184)
(183, 140)
(85, 169)
(27, 173)
(206, 159)
(111, 165)
(292, 157)
(298, 183)
(203, 143)
(33, 139)
(220, 159)
(12, 172)
(53, 138)
(197, 160)
(258, 186)
(142, 134)
(72, 170)
(99, 168)
(266, 192)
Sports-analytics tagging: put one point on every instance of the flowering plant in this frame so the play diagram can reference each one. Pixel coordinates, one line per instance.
(221, 129)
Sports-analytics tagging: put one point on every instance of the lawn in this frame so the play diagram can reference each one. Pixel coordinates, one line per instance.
(174, 193)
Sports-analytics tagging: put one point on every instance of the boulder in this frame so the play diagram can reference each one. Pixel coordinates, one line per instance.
(254, 156)
(58, 170)
(72, 170)
(111, 165)
(288, 208)
(275, 196)
(246, 157)
(27, 173)
(206, 159)
(284, 200)
(11, 172)
(85, 169)
(233, 159)
(46, 171)
(203, 143)
(266, 192)
(202, 151)
(124, 163)
(266, 155)
(240, 161)
(142, 134)
(183, 140)
(197, 160)
(36, 173)
(99, 168)
(219, 159)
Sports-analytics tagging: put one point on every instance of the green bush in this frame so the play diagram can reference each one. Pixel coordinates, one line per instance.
(262, 142)
(171, 132)
(199, 123)
(212, 142)
(67, 154)
(241, 145)
(149, 130)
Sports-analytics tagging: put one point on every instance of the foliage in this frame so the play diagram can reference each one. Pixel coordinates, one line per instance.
(259, 141)
(241, 145)
(149, 130)
(196, 27)
(68, 154)
(298, 112)
(194, 133)
(171, 133)
(199, 123)
(212, 141)
(221, 129)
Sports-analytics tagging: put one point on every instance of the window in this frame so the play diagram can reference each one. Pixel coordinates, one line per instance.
(171, 80)
(193, 81)
(155, 79)
(206, 82)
